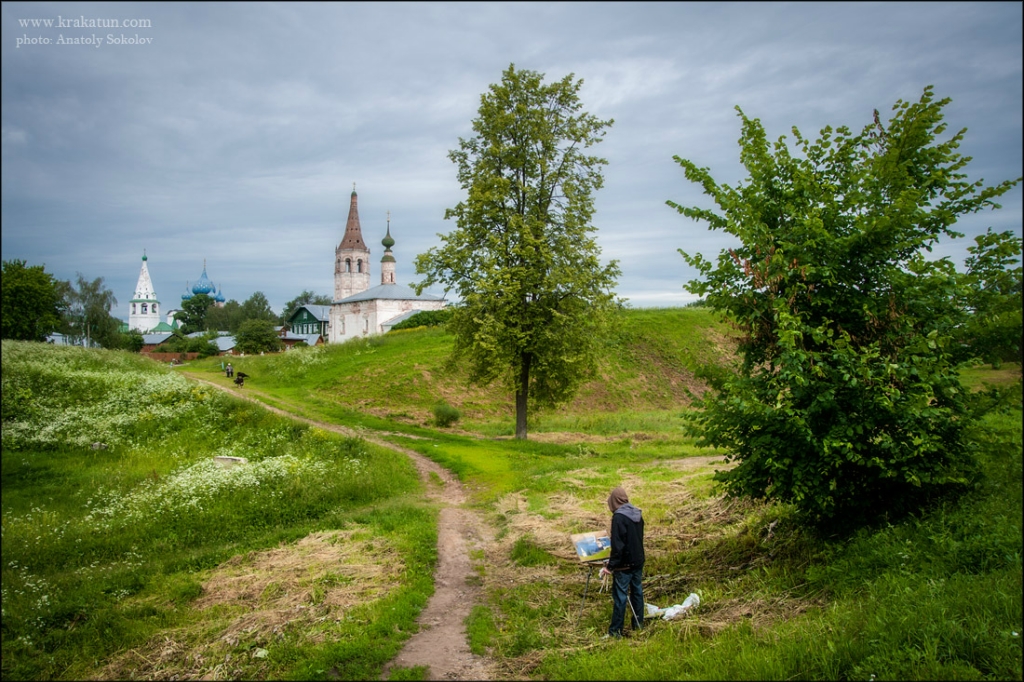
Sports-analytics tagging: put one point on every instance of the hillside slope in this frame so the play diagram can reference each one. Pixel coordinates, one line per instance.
(649, 363)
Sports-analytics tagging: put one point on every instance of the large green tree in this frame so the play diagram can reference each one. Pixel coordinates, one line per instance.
(228, 317)
(87, 316)
(33, 301)
(523, 258)
(257, 307)
(848, 402)
(257, 336)
(192, 315)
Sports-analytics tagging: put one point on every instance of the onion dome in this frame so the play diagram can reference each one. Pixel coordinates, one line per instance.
(203, 285)
(219, 298)
(188, 293)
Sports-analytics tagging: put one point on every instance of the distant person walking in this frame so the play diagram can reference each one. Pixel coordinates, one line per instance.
(626, 563)
(230, 370)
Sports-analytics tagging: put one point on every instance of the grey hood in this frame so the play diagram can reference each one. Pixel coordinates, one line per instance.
(631, 512)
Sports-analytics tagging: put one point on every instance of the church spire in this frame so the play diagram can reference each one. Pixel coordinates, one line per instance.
(353, 238)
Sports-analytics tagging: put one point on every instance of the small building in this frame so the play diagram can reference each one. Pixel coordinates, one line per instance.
(310, 319)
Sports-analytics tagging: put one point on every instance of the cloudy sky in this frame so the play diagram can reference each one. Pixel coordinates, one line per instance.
(233, 132)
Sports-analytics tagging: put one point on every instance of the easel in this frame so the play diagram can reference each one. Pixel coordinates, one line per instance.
(592, 565)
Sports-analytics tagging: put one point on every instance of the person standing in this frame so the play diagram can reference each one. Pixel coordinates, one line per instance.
(626, 563)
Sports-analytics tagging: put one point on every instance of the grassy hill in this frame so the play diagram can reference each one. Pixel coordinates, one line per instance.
(937, 596)
(648, 366)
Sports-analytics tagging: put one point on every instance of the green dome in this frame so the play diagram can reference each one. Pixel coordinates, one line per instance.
(388, 242)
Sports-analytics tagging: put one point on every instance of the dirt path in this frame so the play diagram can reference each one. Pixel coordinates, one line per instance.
(441, 642)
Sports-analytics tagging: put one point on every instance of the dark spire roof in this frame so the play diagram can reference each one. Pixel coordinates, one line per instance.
(353, 238)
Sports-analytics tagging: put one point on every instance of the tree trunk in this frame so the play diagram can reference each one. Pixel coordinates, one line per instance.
(521, 395)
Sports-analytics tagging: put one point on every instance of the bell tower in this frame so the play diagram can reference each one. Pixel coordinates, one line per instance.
(352, 256)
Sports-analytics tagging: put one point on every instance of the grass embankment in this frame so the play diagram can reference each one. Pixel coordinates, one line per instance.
(931, 597)
(141, 557)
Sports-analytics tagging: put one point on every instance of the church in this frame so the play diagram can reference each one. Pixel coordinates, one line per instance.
(358, 309)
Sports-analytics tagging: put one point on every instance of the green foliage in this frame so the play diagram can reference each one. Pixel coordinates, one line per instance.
(87, 317)
(257, 307)
(307, 297)
(848, 403)
(33, 301)
(106, 548)
(193, 313)
(480, 629)
(257, 336)
(993, 329)
(226, 318)
(445, 415)
(132, 341)
(425, 318)
(177, 342)
(523, 259)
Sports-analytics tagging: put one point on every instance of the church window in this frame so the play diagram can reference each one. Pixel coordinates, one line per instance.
(154, 308)
(133, 308)
(143, 308)
(359, 265)
(348, 265)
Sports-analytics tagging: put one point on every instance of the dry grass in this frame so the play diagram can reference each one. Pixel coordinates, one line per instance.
(254, 599)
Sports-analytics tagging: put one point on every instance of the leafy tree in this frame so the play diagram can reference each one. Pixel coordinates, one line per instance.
(257, 307)
(257, 336)
(33, 301)
(180, 343)
(523, 259)
(87, 316)
(993, 330)
(193, 313)
(132, 341)
(848, 403)
(305, 298)
(227, 318)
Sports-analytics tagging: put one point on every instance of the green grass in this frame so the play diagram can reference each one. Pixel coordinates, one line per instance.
(936, 596)
(105, 548)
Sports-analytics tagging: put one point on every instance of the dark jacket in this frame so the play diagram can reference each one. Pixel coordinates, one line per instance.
(627, 539)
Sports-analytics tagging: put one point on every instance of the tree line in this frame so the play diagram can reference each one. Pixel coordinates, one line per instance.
(36, 304)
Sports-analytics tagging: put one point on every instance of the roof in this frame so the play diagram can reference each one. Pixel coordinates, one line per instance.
(389, 292)
(320, 312)
(153, 339)
(308, 338)
(353, 238)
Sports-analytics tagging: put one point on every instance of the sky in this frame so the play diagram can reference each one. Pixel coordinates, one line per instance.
(231, 133)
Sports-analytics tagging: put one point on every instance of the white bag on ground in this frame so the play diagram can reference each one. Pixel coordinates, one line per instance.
(679, 609)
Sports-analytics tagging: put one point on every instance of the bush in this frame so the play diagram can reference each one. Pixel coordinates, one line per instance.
(425, 318)
(445, 415)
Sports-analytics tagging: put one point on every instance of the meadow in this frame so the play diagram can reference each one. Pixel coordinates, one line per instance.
(143, 559)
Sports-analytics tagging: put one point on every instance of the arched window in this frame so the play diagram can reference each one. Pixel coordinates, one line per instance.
(348, 265)
(154, 308)
(143, 308)
(359, 265)
(133, 308)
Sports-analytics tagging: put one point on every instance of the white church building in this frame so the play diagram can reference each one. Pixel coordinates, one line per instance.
(144, 308)
(358, 309)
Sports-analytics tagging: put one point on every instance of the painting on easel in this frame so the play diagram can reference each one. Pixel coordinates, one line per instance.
(593, 546)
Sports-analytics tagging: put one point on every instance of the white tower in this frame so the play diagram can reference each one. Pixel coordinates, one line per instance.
(352, 257)
(387, 263)
(144, 313)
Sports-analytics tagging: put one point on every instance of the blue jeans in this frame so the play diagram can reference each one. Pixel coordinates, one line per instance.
(626, 585)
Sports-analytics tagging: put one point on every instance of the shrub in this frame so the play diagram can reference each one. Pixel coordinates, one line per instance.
(445, 415)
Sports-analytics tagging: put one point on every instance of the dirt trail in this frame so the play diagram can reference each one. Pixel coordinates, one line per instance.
(441, 642)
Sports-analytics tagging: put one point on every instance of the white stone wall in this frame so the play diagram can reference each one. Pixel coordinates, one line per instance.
(365, 318)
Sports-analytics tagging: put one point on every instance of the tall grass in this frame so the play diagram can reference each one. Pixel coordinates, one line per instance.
(92, 534)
